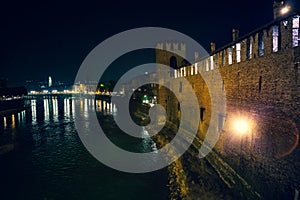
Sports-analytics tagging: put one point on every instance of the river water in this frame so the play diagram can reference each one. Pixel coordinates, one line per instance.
(50, 161)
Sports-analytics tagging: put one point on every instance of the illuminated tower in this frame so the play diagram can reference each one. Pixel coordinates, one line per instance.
(49, 81)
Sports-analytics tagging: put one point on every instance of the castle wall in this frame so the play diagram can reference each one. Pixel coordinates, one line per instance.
(262, 90)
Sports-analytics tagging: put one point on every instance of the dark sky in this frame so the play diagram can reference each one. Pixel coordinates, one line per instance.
(52, 38)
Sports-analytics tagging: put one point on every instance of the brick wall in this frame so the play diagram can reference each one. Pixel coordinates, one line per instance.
(263, 90)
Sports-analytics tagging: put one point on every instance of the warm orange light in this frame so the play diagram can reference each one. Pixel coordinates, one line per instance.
(241, 126)
(285, 10)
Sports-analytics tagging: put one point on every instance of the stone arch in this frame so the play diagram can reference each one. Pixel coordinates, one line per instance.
(173, 62)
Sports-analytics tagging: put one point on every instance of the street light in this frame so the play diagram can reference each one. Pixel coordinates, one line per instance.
(241, 126)
(284, 10)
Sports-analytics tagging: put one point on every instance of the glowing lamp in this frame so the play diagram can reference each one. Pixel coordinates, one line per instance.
(241, 126)
(285, 10)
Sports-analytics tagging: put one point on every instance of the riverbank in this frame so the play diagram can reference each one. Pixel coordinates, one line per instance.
(176, 176)
(193, 178)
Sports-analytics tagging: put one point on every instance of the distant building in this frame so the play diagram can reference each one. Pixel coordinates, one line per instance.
(49, 81)
(12, 92)
(138, 81)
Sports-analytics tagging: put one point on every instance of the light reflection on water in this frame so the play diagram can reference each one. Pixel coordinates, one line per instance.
(4, 121)
(55, 109)
(67, 107)
(46, 109)
(46, 113)
(52, 163)
(13, 123)
(33, 110)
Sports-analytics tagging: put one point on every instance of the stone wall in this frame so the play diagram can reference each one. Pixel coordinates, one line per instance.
(263, 91)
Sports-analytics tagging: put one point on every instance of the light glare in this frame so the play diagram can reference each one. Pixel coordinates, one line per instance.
(285, 10)
(241, 126)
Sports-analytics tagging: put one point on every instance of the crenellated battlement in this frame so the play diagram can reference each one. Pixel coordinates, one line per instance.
(274, 38)
(260, 76)
(177, 48)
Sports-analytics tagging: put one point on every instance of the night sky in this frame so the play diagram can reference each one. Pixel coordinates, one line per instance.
(53, 38)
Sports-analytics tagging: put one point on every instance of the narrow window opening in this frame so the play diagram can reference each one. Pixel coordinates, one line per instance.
(259, 84)
(173, 62)
(295, 32)
(238, 52)
(202, 113)
(173, 65)
(249, 48)
(223, 58)
(207, 65)
(229, 56)
(275, 38)
(212, 62)
(216, 58)
(260, 44)
(223, 86)
(196, 68)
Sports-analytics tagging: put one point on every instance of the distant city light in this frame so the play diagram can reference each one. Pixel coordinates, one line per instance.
(49, 81)
(145, 99)
(45, 91)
